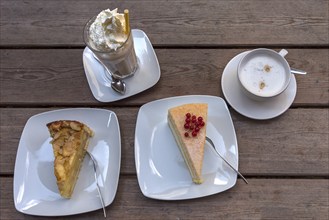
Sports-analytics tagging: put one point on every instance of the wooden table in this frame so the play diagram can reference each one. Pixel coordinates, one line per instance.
(285, 159)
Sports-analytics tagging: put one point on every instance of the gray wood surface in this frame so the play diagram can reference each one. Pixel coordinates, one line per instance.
(286, 159)
(261, 199)
(223, 23)
(56, 76)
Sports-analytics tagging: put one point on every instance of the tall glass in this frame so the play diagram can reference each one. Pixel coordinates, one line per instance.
(122, 62)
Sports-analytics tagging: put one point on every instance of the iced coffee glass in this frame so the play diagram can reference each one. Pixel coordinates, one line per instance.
(122, 61)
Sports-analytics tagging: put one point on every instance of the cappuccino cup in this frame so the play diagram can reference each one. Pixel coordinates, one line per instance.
(264, 73)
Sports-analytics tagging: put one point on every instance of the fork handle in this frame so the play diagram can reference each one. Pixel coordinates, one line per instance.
(214, 148)
(244, 179)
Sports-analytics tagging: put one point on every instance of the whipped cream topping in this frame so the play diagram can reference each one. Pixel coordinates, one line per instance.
(108, 30)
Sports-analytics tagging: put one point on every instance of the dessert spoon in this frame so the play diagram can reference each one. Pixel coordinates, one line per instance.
(117, 85)
(296, 71)
(98, 188)
(213, 145)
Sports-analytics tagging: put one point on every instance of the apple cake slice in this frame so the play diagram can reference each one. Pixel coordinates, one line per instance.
(70, 142)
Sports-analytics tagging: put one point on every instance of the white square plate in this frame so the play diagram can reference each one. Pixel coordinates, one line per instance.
(161, 170)
(35, 189)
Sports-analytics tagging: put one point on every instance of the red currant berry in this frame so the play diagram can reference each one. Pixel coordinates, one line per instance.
(187, 120)
(191, 127)
(187, 126)
(200, 118)
(197, 129)
(193, 120)
(202, 124)
(188, 115)
(194, 133)
(186, 134)
(194, 117)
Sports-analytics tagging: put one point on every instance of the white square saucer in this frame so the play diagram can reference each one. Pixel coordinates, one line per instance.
(146, 76)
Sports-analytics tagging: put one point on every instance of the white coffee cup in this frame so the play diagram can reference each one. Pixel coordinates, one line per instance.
(264, 73)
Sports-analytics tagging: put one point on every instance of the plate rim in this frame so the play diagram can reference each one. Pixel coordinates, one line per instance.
(22, 152)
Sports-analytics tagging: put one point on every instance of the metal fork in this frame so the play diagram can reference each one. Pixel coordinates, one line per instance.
(213, 145)
(98, 188)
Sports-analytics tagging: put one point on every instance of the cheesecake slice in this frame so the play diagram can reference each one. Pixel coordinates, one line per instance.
(70, 142)
(188, 125)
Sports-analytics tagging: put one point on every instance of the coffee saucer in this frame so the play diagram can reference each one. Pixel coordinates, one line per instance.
(146, 76)
(260, 110)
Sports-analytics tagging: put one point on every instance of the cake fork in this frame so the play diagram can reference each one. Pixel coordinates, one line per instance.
(98, 188)
(213, 145)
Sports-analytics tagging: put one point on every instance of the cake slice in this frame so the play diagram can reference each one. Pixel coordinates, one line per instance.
(188, 125)
(70, 142)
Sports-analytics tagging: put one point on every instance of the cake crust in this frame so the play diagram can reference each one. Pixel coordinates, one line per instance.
(70, 142)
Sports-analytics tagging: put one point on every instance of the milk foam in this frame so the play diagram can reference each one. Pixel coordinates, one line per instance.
(263, 75)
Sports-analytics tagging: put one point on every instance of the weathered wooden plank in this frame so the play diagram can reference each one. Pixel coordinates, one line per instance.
(294, 144)
(240, 22)
(261, 199)
(56, 77)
